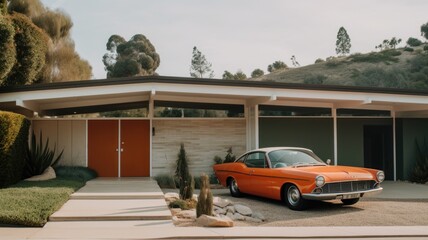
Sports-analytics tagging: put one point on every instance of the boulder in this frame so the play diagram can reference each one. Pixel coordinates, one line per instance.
(174, 211)
(177, 220)
(171, 196)
(210, 221)
(231, 209)
(220, 211)
(238, 216)
(229, 215)
(190, 214)
(219, 202)
(244, 210)
(258, 216)
(48, 174)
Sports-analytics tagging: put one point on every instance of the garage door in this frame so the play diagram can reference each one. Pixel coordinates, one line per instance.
(119, 148)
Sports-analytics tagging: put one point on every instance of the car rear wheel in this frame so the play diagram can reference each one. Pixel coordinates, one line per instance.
(350, 201)
(234, 189)
(293, 198)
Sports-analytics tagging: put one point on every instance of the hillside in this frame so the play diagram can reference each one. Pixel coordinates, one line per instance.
(395, 68)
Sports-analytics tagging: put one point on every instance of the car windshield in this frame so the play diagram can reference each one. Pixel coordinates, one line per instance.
(289, 157)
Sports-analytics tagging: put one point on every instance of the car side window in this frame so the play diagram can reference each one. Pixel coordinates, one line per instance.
(241, 159)
(256, 160)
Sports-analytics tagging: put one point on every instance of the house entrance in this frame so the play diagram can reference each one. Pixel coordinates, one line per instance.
(119, 148)
(378, 149)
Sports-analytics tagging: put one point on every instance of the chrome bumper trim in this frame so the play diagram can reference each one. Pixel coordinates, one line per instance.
(331, 196)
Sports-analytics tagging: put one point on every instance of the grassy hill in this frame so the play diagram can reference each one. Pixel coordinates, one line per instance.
(395, 68)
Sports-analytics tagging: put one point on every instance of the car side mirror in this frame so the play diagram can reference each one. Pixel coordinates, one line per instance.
(328, 161)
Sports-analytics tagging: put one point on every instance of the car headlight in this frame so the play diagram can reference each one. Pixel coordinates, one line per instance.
(319, 181)
(380, 176)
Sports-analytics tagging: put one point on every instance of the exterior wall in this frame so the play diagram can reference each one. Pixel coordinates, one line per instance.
(202, 138)
(350, 139)
(313, 133)
(69, 135)
(408, 131)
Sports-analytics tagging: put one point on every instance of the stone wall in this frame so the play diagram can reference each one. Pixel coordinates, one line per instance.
(202, 138)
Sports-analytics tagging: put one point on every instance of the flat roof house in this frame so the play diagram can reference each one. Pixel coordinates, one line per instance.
(359, 126)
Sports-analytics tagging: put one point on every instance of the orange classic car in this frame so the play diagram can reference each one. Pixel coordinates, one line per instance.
(296, 175)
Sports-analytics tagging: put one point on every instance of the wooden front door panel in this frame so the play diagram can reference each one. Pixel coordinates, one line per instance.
(135, 148)
(103, 136)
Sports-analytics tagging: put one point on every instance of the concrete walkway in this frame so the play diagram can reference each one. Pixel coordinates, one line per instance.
(113, 199)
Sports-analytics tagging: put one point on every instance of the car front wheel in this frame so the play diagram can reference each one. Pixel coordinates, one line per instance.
(293, 198)
(234, 189)
(350, 201)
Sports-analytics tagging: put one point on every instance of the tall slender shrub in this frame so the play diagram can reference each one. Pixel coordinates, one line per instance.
(14, 130)
(183, 175)
(205, 199)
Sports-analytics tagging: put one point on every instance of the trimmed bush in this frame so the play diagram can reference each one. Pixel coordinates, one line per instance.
(7, 47)
(75, 173)
(14, 130)
(165, 181)
(187, 184)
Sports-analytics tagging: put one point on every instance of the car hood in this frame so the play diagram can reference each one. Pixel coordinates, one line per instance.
(338, 173)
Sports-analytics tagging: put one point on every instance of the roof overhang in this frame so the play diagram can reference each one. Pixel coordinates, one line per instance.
(113, 94)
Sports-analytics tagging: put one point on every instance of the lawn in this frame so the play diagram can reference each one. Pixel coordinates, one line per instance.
(31, 203)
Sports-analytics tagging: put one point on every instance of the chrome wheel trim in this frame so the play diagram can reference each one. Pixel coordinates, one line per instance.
(234, 186)
(293, 195)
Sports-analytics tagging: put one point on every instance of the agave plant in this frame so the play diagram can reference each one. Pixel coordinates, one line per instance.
(39, 157)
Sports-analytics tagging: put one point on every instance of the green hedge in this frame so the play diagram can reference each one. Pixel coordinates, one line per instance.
(14, 130)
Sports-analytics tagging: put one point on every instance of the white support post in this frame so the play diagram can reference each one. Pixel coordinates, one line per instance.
(394, 145)
(252, 119)
(256, 126)
(334, 114)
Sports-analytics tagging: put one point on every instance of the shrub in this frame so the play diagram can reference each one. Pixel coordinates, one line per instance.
(39, 157)
(332, 62)
(230, 157)
(426, 48)
(408, 49)
(385, 56)
(7, 48)
(319, 60)
(420, 171)
(182, 173)
(413, 42)
(314, 79)
(217, 160)
(183, 204)
(205, 198)
(165, 181)
(14, 130)
(75, 173)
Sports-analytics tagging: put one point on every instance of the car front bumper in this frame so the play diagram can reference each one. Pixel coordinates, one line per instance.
(346, 195)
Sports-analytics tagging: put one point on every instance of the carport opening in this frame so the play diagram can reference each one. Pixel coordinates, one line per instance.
(378, 149)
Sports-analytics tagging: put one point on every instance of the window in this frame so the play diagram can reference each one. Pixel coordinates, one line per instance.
(269, 110)
(284, 158)
(256, 160)
(363, 113)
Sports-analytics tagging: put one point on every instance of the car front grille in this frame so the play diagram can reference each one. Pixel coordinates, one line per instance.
(352, 186)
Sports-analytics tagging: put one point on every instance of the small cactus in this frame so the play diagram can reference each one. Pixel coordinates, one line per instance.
(205, 198)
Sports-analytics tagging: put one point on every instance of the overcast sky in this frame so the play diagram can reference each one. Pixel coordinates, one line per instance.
(239, 34)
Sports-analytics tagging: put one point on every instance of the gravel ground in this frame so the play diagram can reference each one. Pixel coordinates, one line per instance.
(367, 212)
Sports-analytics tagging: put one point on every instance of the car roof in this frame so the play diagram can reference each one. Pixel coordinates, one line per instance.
(270, 149)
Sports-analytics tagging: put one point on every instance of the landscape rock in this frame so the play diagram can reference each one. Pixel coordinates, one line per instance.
(220, 211)
(177, 220)
(210, 221)
(195, 197)
(238, 216)
(190, 214)
(258, 216)
(174, 211)
(48, 174)
(229, 215)
(244, 210)
(171, 196)
(219, 202)
(231, 209)
(254, 220)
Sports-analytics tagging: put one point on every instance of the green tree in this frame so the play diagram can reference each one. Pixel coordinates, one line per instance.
(3, 7)
(277, 65)
(239, 75)
(413, 42)
(257, 73)
(343, 42)
(424, 30)
(136, 57)
(31, 48)
(63, 63)
(199, 66)
(183, 175)
(7, 47)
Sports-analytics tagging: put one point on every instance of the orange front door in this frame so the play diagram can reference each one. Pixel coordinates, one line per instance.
(103, 137)
(135, 148)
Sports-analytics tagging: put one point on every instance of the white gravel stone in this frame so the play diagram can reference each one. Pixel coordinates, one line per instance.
(219, 202)
(244, 210)
(258, 216)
